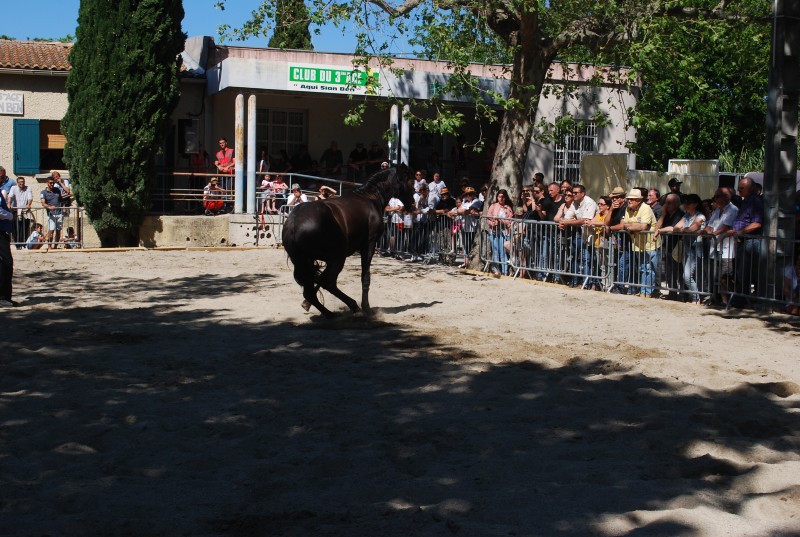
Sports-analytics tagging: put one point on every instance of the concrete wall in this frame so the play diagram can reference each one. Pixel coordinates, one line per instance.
(209, 231)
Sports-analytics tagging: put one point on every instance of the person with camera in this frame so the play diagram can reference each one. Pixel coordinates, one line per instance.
(524, 233)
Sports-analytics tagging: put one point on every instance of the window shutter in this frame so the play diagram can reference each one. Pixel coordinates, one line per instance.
(26, 146)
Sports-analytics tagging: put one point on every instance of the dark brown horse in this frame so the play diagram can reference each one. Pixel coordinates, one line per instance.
(329, 231)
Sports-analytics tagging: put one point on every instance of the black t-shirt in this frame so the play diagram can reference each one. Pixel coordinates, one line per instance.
(358, 155)
(617, 214)
(551, 208)
(446, 204)
(674, 219)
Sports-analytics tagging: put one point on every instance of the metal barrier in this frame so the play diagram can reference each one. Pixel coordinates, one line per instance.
(183, 192)
(764, 273)
(26, 232)
(427, 238)
(542, 250)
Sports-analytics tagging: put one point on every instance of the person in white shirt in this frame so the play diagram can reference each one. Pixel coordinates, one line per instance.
(437, 184)
(20, 200)
(296, 197)
(575, 219)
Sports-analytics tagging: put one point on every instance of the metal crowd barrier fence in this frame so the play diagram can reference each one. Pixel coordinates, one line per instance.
(429, 239)
(763, 272)
(573, 255)
(183, 192)
(26, 232)
(742, 271)
(678, 264)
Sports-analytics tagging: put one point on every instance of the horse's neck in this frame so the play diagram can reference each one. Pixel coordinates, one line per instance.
(381, 190)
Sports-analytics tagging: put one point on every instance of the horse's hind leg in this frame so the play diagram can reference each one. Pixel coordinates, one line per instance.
(304, 274)
(327, 281)
(310, 295)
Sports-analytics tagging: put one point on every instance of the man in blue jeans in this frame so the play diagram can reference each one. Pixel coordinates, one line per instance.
(6, 261)
(749, 221)
(640, 222)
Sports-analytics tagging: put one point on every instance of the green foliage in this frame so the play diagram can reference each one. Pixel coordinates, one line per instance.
(701, 64)
(291, 26)
(122, 89)
(69, 38)
(747, 160)
(704, 87)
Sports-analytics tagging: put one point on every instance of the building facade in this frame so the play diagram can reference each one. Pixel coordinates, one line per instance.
(301, 98)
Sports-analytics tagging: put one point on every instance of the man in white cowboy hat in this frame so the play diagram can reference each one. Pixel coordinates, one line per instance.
(640, 222)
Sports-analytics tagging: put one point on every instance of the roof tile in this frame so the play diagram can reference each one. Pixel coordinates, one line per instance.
(34, 55)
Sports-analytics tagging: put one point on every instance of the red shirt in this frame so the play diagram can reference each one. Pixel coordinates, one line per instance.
(225, 159)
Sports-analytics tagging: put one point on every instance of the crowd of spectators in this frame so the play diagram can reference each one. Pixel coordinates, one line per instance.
(27, 217)
(675, 246)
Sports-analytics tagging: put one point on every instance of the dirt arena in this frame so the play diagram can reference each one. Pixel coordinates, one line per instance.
(187, 393)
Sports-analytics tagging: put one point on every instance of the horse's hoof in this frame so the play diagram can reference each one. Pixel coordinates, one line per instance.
(306, 305)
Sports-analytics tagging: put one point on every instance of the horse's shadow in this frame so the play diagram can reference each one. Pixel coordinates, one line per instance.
(400, 309)
(372, 318)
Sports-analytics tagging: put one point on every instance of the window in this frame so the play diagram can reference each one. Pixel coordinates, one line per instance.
(571, 149)
(281, 129)
(38, 146)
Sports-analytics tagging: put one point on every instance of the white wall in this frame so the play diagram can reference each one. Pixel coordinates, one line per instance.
(590, 100)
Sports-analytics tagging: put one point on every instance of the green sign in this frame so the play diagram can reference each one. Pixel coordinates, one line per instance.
(338, 77)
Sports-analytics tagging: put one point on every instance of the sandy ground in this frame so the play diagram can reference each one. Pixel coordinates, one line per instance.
(187, 393)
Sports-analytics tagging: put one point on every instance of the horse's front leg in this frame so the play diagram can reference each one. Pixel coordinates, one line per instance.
(366, 261)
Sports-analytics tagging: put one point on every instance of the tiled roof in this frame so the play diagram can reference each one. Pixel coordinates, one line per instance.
(34, 55)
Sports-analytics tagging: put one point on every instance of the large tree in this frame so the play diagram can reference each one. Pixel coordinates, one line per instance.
(703, 91)
(291, 30)
(530, 34)
(122, 89)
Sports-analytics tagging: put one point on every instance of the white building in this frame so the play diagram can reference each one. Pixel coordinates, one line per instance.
(301, 98)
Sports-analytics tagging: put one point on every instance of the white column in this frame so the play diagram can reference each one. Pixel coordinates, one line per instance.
(251, 155)
(238, 200)
(394, 128)
(405, 134)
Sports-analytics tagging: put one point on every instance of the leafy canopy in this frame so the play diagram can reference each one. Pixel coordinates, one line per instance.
(701, 64)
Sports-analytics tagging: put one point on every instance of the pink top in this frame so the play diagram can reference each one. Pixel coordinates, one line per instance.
(498, 210)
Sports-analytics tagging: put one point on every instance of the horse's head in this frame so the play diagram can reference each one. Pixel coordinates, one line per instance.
(404, 184)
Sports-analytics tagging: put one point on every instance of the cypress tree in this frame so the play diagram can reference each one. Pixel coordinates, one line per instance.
(291, 26)
(122, 89)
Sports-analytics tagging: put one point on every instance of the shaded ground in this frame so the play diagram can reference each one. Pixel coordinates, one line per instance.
(185, 393)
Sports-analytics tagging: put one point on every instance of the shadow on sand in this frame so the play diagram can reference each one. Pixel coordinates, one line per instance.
(133, 420)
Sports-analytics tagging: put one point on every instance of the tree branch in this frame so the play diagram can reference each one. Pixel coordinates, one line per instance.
(402, 9)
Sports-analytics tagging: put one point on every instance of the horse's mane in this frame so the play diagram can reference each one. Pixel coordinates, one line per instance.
(381, 184)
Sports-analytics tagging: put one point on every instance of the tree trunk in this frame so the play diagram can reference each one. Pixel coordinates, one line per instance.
(117, 238)
(530, 68)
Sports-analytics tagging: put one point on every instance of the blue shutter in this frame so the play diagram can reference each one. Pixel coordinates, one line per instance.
(26, 146)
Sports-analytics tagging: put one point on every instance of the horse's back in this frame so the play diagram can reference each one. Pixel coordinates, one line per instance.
(326, 229)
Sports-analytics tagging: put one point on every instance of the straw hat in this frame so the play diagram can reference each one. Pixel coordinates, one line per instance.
(634, 194)
(618, 191)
